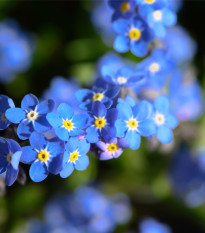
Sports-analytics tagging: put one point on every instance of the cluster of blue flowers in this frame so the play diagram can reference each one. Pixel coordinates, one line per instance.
(17, 47)
(127, 101)
(91, 212)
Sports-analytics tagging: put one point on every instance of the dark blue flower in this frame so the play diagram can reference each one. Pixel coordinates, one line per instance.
(111, 149)
(44, 156)
(5, 103)
(122, 8)
(102, 123)
(101, 91)
(134, 35)
(133, 122)
(75, 156)
(31, 116)
(163, 119)
(10, 154)
(126, 76)
(66, 124)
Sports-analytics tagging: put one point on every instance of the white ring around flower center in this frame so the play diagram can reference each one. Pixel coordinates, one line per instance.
(159, 118)
(157, 15)
(32, 115)
(154, 67)
(121, 80)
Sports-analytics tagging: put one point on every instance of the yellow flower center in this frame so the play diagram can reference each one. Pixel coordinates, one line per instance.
(132, 124)
(43, 156)
(149, 1)
(74, 156)
(112, 147)
(98, 96)
(100, 122)
(157, 15)
(68, 125)
(121, 80)
(32, 115)
(124, 7)
(134, 34)
(9, 157)
(159, 119)
(154, 67)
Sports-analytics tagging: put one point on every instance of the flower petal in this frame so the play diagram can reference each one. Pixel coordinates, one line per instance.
(15, 115)
(29, 102)
(92, 134)
(82, 163)
(62, 133)
(121, 44)
(24, 130)
(161, 104)
(54, 120)
(28, 155)
(65, 111)
(134, 139)
(38, 171)
(45, 106)
(67, 170)
(11, 175)
(37, 141)
(56, 165)
(164, 135)
(99, 109)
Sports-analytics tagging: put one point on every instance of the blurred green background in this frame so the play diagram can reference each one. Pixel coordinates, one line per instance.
(68, 45)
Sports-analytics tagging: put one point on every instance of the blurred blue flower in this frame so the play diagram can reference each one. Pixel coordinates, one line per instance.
(164, 119)
(187, 176)
(134, 35)
(133, 122)
(122, 8)
(102, 123)
(16, 49)
(63, 90)
(66, 124)
(186, 96)
(5, 103)
(151, 225)
(101, 19)
(9, 159)
(126, 76)
(180, 47)
(75, 156)
(44, 156)
(31, 116)
(101, 91)
(157, 67)
(111, 149)
(160, 19)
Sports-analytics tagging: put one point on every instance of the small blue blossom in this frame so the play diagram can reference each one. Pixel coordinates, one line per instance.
(147, 6)
(126, 76)
(122, 8)
(10, 154)
(150, 225)
(44, 156)
(75, 156)
(134, 35)
(5, 103)
(101, 91)
(17, 48)
(163, 119)
(63, 90)
(31, 116)
(160, 19)
(66, 124)
(157, 67)
(102, 123)
(133, 122)
(111, 149)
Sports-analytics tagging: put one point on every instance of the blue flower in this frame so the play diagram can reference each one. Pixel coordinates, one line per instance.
(126, 76)
(160, 19)
(133, 122)
(157, 67)
(111, 149)
(75, 156)
(163, 119)
(102, 123)
(122, 8)
(44, 156)
(149, 225)
(66, 124)
(133, 34)
(10, 154)
(31, 116)
(63, 90)
(17, 48)
(146, 6)
(5, 103)
(101, 91)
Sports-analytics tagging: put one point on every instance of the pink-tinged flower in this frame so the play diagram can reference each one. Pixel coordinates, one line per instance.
(111, 149)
